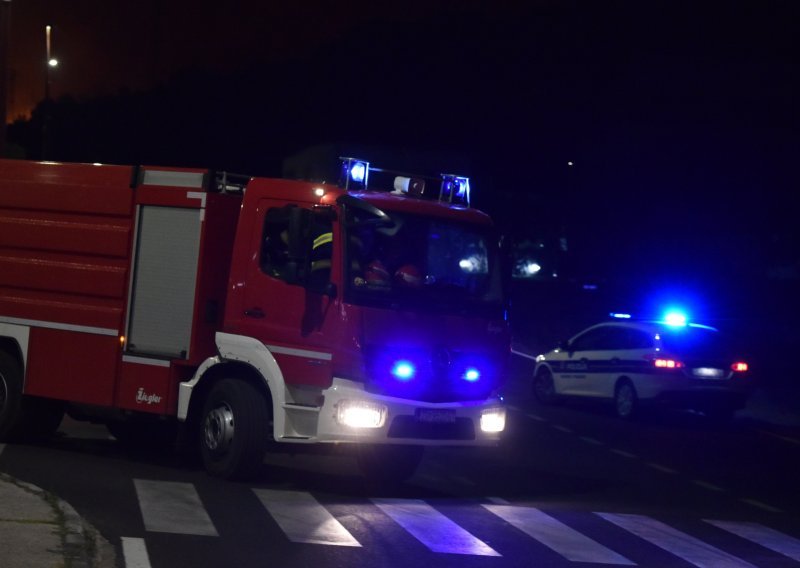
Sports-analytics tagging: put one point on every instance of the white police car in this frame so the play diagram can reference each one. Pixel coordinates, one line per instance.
(638, 362)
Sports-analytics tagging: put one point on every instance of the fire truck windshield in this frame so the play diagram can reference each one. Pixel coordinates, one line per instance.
(414, 262)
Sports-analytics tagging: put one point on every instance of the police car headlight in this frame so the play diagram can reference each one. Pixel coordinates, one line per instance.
(361, 414)
(493, 420)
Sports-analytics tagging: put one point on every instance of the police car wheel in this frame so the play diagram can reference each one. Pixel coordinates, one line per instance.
(626, 400)
(234, 430)
(544, 389)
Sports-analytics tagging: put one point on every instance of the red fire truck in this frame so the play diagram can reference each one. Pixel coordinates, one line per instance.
(250, 311)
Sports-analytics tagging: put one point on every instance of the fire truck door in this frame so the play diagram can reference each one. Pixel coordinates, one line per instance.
(294, 321)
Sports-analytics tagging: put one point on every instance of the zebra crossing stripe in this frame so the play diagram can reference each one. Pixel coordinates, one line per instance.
(134, 551)
(303, 519)
(432, 528)
(172, 507)
(675, 542)
(765, 536)
(557, 536)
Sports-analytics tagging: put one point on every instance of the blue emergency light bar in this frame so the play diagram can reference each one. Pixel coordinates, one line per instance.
(453, 189)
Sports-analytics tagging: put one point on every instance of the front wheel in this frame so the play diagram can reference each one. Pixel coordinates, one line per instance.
(234, 429)
(544, 389)
(626, 401)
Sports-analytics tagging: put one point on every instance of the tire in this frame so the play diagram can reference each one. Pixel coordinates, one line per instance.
(389, 464)
(626, 401)
(544, 390)
(11, 412)
(234, 429)
(41, 416)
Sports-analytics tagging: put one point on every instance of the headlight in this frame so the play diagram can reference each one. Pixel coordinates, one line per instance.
(361, 414)
(493, 420)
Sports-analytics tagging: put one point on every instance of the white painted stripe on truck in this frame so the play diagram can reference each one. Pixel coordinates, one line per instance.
(172, 507)
(303, 519)
(299, 352)
(432, 528)
(59, 325)
(557, 536)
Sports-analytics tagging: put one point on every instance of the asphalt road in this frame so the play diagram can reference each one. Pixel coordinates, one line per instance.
(570, 484)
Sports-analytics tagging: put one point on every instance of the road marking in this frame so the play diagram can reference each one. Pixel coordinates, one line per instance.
(761, 505)
(765, 536)
(536, 417)
(557, 536)
(709, 486)
(134, 551)
(432, 528)
(498, 501)
(780, 437)
(592, 441)
(624, 454)
(172, 507)
(673, 541)
(303, 519)
(661, 468)
(561, 428)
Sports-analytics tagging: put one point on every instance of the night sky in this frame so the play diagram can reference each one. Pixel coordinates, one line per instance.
(681, 118)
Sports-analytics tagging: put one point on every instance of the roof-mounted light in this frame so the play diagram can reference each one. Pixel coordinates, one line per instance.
(455, 189)
(412, 186)
(354, 173)
(619, 315)
(675, 318)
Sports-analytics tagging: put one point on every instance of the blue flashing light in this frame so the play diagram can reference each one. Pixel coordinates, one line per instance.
(620, 315)
(472, 375)
(675, 318)
(404, 370)
(358, 172)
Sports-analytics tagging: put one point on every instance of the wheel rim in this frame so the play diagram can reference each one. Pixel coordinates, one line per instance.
(218, 428)
(625, 400)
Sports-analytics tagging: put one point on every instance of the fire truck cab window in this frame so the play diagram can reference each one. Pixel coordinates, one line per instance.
(275, 260)
(275, 244)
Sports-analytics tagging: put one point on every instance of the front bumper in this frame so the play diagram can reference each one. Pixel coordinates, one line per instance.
(406, 421)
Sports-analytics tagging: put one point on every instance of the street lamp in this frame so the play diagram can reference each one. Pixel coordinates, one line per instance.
(50, 62)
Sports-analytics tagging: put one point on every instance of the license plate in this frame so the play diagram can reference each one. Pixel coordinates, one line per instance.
(708, 373)
(436, 415)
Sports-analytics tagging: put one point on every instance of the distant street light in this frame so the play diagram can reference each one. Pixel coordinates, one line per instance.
(50, 63)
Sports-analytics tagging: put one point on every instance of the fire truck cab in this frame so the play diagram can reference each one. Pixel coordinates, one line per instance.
(251, 311)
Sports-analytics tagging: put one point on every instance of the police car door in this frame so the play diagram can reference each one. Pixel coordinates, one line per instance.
(584, 359)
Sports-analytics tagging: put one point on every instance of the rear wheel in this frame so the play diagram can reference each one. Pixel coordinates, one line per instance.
(234, 429)
(10, 397)
(626, 401)
(544, 389)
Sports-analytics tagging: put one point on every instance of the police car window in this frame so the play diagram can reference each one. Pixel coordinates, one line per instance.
(638, 339)
(615, 338)
(588, 341)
